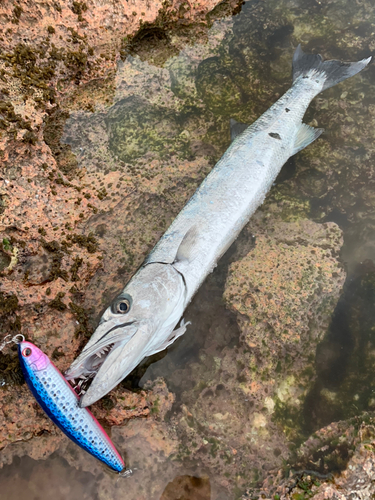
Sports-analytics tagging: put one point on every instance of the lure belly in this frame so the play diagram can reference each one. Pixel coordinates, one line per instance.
(60, 403)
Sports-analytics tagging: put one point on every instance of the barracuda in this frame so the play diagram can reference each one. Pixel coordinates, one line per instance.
(141, 320)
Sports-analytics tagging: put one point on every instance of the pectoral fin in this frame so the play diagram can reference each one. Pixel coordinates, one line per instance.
(188, 245)
(173, 336)
(305, 136)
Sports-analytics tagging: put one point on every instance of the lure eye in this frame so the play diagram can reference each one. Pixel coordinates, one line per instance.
(123, 306)
(26, 352)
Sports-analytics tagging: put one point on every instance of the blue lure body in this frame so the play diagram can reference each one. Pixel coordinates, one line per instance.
(60, 403)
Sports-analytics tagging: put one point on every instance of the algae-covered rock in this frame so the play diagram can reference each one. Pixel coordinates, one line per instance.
(137, 145)
(216, 86)
(136, 128)
(182, 71)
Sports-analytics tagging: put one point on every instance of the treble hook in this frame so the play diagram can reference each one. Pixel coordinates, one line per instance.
(15, 339)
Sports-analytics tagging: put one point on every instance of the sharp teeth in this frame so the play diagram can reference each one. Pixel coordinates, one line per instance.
(104, 350)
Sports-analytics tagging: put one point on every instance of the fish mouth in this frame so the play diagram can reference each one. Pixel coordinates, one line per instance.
(89, 362)
(114, 365)
(92, 363)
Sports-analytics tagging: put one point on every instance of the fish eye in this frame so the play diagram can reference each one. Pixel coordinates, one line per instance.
(26, 352)
(123, 306)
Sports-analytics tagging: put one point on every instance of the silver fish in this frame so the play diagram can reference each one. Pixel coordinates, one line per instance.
(141, 321)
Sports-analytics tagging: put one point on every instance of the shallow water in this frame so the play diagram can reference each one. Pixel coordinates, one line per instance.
(167, 126)
(52, 478)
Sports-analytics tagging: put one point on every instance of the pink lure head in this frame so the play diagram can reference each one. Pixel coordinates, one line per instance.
(33, 357)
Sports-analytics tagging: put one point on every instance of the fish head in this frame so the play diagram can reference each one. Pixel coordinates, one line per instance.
(131, 328)
(32, 357)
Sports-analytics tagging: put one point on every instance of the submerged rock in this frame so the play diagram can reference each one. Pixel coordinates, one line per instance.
(284, 292)
(336, 462)
(147, 130)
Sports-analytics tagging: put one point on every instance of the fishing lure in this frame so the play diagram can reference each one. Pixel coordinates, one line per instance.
(60, 403)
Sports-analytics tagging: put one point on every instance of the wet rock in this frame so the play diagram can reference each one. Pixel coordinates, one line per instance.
(149, 451)
(43, 480)
(39, 437)
(4, 261)
(242, 399)
(237, 399)
(182, 72)
(38, 268)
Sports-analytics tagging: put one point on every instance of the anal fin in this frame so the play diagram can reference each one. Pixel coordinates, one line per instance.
(305, 136)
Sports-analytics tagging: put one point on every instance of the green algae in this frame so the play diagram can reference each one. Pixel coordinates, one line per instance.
(89, 242)
(74, 269)
(57, 303)
(147, 129)
(107, 403)
(57, 354)
(10, 370)
(292, 208)
(4, 261)
(56, 270)
(82, 316)
(217, 88)
(10, 120)
(8, 304)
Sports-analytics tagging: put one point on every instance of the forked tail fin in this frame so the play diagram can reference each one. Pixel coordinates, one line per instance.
(308, 65)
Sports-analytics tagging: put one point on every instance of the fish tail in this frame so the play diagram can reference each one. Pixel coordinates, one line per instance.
(331, 72)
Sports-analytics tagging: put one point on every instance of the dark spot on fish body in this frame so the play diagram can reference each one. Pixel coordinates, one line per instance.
(275, 135)
(287, 110)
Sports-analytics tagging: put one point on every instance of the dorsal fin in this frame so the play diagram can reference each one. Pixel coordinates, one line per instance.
(236, 128)
(187, 249)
